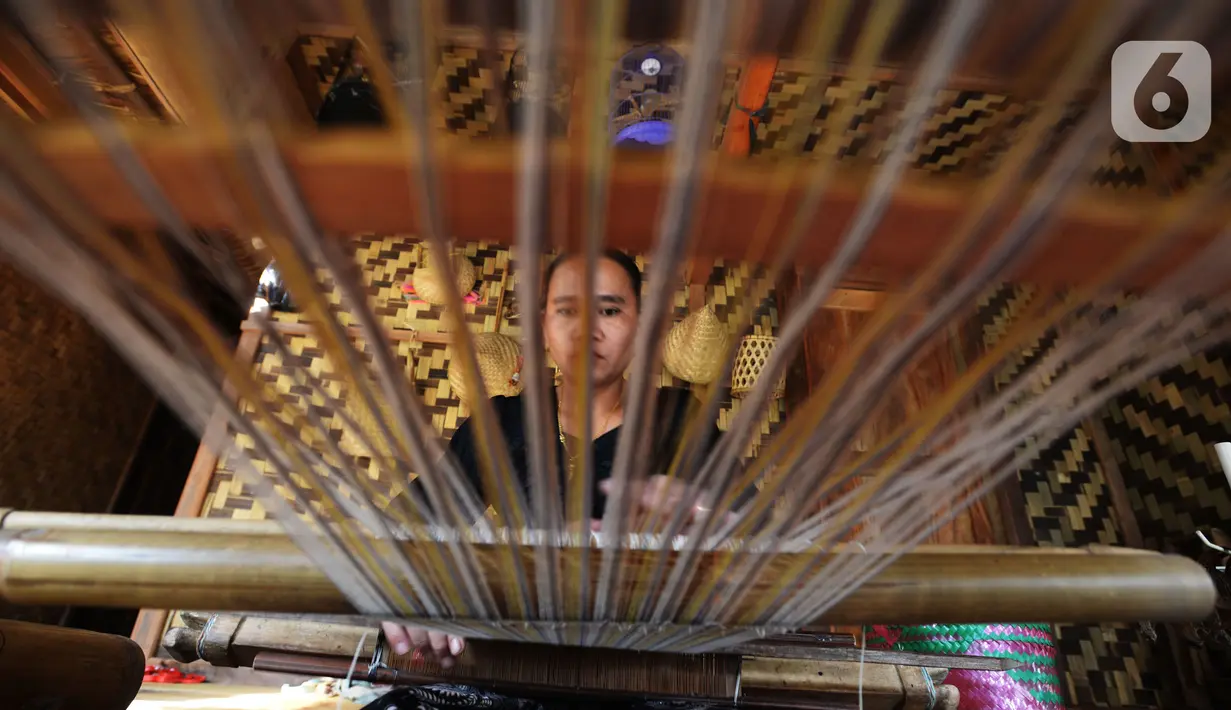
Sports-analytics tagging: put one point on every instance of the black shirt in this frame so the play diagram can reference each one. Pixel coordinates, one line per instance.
(674, 411)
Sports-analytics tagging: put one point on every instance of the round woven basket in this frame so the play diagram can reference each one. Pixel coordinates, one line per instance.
(499, 367)
(429, 282)
(753, 354)
(695, 347)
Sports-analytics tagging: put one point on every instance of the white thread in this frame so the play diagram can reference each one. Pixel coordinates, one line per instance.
(354, 661)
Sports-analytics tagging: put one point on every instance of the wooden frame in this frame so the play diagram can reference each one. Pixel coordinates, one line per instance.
(357, 181)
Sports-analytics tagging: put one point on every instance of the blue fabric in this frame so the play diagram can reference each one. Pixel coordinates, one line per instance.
(650, 133)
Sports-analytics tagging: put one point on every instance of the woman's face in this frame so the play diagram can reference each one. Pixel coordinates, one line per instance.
(614, 323)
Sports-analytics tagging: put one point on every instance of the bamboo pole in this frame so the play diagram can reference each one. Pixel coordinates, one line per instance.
(268, 573)
(37, 520)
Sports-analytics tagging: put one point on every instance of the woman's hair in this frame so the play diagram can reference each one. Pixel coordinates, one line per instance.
(624, 261)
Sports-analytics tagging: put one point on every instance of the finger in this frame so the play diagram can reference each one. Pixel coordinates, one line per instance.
(663, 493)
(418, 637)
(396, 635)
(440, 647)
(457, 644)
(651, 492)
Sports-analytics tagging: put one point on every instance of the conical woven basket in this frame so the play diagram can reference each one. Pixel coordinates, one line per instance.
(429, 284)
(753, 354)
(498, 366)
(695, 347)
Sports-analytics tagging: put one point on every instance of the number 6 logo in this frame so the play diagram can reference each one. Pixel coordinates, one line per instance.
(1160, 92)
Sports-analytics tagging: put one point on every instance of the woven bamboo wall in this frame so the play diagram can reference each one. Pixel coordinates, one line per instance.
(1162, 435)
(71, 411)
(1069, 505)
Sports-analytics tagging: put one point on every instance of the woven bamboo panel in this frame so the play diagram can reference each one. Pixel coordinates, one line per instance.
(1162, 435)
(1069, 505)
(469, 81)
(389, 262)
(315, 61)
(966, 134)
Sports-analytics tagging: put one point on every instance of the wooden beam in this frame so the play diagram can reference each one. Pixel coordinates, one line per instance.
(362, 181)
(27, 86)
(151, 623)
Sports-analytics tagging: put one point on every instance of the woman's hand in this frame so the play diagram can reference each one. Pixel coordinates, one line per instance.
(434, 644)
(661, 493)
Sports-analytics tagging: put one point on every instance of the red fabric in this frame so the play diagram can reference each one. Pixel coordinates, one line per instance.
(162, 674)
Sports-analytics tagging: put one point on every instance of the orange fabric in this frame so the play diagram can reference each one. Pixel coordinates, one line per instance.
(754, 83)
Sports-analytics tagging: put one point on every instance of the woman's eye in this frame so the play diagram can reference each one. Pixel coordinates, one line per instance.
(566, 311)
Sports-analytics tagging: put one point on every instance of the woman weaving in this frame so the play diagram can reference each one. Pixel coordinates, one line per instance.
(617, 299)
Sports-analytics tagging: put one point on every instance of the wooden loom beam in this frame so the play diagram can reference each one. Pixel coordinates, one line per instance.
(360, 181)
(234, 640)
(269, 573)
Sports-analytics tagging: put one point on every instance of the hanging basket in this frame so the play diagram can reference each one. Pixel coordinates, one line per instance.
(695, 347)
(751, 359)
(499, 359)
(429, 278)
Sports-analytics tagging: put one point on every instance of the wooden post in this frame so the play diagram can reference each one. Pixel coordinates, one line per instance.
(147, 631)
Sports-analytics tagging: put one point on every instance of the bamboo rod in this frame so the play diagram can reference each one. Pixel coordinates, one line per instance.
(17, 520)
(32, 520)
(267, 573)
